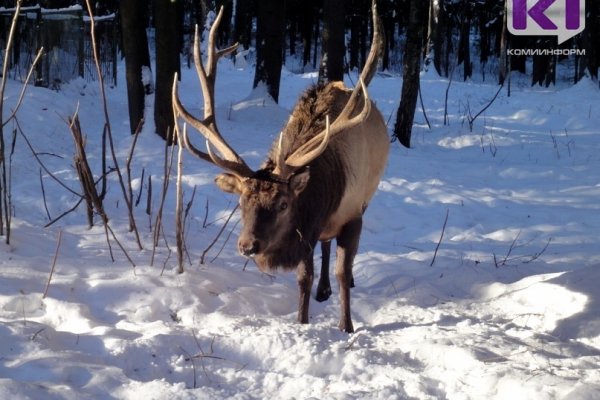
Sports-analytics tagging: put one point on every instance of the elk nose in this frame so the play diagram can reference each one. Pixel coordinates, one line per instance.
(248, 248)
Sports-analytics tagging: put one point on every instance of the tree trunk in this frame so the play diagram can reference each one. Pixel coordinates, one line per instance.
(503, 59)
(355, 21)
(332, 44)
(293, 22)
(224, 32)
(269, 45)
(412, 67)
(518, 62)
(591, 38)
(431, 28)
(137, 58)
(485, 33)
(387, 20)
(243, 22)
(438, 37)
(306, 27)
(317, 28)
(464, 46)
(543, 69)
(364, 41)
(167, 25)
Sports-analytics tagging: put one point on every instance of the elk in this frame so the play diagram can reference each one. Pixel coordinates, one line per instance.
(314, 185)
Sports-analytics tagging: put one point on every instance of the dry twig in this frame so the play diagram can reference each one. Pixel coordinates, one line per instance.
(136, 134)
(58, 241)
(471, 118)
(218, 234)
(168, 167)
(179, 225)
(44, 195)
(441, 237)
(93, 200)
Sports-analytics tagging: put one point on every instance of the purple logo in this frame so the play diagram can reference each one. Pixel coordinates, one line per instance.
(561, 18)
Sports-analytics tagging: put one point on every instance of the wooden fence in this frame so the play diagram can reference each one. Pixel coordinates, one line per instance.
(65, 36)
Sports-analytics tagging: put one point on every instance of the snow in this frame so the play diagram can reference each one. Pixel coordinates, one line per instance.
(508, 310)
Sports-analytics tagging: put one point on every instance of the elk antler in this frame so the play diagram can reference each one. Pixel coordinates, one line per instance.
(228, 158)
(315, 146)
(376, 50)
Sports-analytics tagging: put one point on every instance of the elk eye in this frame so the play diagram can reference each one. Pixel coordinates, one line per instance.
(283, 206)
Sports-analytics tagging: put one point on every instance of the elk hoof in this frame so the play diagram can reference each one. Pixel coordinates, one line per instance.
(346, 326)
(323, 294)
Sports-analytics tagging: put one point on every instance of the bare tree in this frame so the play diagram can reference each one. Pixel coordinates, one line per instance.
(464, 45)
(503, 59)
(242, 32)
(269, 45)
(591, 40)
(6, 152)
(333, 47)
(543, 70)
(307, 26)
(168, 45)
(137, 58)
(412, 67)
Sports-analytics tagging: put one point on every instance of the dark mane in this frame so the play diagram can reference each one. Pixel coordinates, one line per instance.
(308, 117)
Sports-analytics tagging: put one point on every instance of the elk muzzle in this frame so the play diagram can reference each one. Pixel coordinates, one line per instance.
(248, 246)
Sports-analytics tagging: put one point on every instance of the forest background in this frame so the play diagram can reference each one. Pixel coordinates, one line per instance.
(461, 39)
(478, 275)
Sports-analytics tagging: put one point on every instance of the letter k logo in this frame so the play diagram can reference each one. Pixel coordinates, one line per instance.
(561, 18)
(536, 13)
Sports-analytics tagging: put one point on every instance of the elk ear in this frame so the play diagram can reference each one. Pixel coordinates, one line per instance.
(299, 181)
(229, 183)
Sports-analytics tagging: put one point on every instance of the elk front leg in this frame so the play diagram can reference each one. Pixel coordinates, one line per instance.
(324, 286)
(305, 274)
(347, 245)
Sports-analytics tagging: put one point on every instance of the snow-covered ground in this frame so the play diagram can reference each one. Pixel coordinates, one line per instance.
(510, 308)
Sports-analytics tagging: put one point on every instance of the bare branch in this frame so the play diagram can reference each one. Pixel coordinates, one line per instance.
(538, 254)
(423, 108)
(167, 167)
(179, 226)
(510, 249)
(441, 237)
(58, 241)
(225, 241)
(44, 195)
(35, 154)
(128, 171)
(473, 118)
(218, 234)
